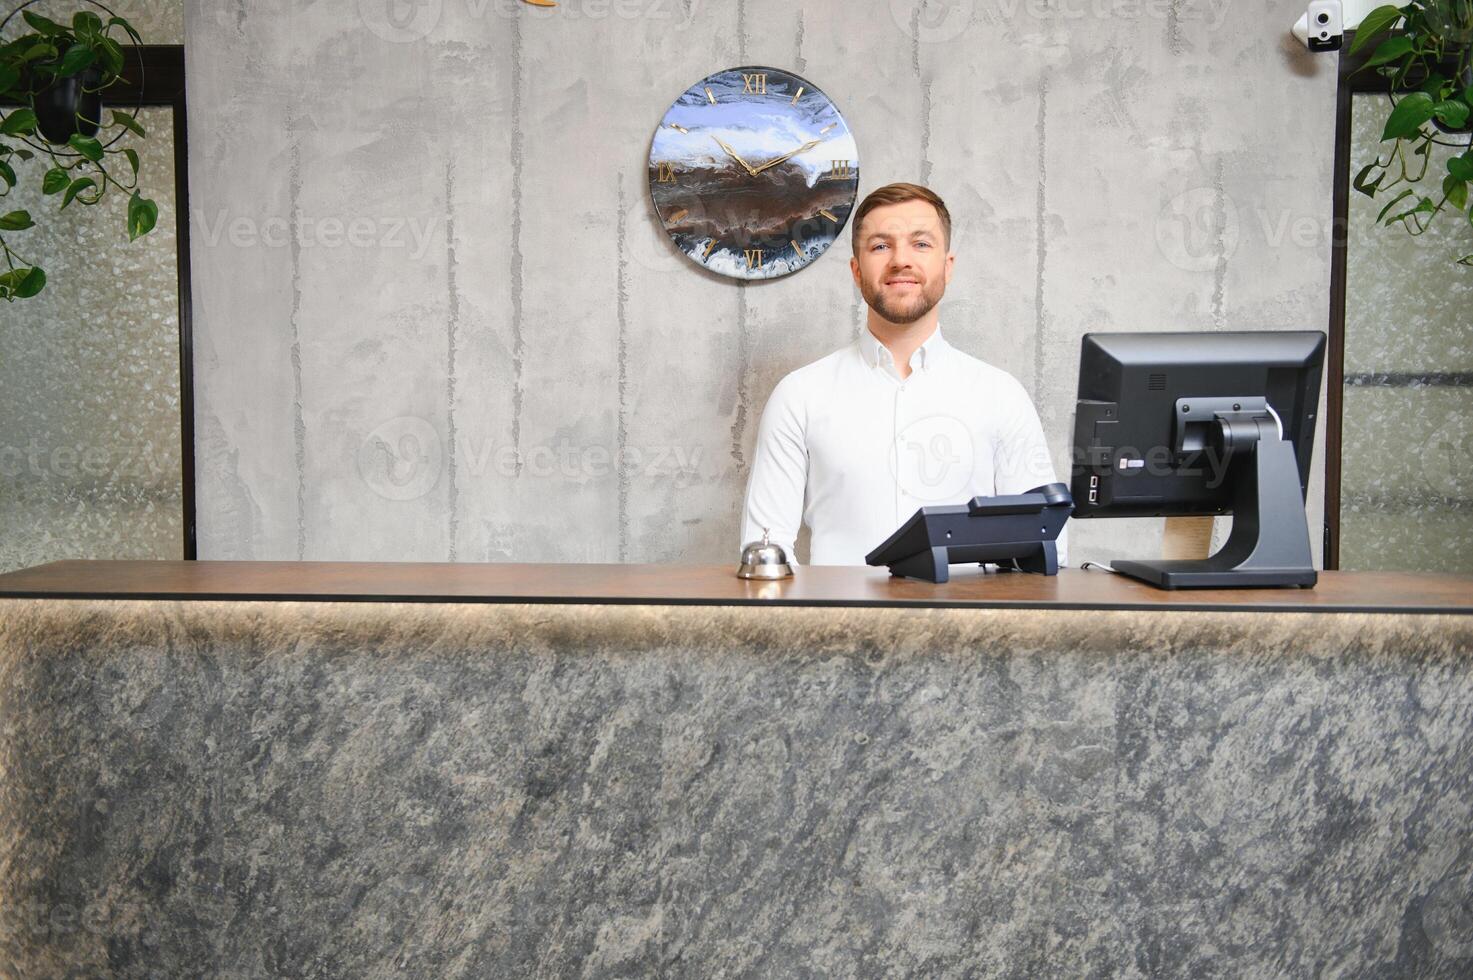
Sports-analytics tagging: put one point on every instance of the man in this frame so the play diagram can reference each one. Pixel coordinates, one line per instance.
(853, 443)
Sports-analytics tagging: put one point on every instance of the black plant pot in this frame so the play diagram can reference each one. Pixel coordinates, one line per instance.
(63, 108)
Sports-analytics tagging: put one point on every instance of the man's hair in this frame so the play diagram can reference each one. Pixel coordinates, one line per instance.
(899, 194)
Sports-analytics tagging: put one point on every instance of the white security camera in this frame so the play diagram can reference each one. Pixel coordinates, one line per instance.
(1322, 26)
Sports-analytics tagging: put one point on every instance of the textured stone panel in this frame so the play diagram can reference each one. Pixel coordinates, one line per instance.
(377, 790)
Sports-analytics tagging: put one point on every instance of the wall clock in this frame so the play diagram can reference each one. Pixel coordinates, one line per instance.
(753, 172)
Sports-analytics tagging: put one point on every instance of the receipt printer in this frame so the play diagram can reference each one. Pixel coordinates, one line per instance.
(1019, 531)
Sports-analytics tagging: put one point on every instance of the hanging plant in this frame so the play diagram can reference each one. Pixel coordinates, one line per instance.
(52, 81)
(1427, 57)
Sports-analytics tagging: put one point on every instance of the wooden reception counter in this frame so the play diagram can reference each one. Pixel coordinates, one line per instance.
(708, 585)
(316, 769)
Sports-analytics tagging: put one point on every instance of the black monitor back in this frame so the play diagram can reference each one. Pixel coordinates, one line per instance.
(1129, 384)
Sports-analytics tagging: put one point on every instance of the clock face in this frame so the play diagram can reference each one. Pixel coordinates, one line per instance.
(753, 172)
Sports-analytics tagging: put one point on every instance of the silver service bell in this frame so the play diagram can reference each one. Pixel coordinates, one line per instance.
(765, 560)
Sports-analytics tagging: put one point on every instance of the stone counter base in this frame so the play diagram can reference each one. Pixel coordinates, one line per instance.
(366, 790)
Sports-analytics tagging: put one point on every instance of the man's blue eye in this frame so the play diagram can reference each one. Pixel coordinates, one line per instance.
(923, 244)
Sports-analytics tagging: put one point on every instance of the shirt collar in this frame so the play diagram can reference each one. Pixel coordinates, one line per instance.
(926, 356)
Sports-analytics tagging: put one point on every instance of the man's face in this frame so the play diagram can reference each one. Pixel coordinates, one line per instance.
(903, 266)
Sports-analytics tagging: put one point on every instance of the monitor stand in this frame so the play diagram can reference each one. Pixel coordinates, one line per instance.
(1269, 543)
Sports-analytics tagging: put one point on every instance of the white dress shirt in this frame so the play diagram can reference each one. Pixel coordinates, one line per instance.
(848, 448)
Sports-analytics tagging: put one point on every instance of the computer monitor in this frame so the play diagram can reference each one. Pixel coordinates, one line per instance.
(1172, 424)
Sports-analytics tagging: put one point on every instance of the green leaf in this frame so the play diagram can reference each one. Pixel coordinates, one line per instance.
(23, 154)
(86, 22)
(1456, 191)
(1391, 204)
(1372, 24)
(16, 221)
(78, 186)
(1461, 166)
(143, 214)
(1434, 86)
(1453, 112)
(120, 22)
(42, 25)
(1407, 118)
(41, 51)
(7, 174)
(1424, 206)
(1466, 260)
(130, 123)
(77, 57)
(1391, 49)
(55, 181)
(31, 283)
(9, 77)
(22, 283)
(1368, 189)
(21, 122)
(87, 146)
(111, 55)
(132, 157)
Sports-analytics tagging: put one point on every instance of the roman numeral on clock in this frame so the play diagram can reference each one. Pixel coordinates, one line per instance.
(754, 257)
(754, 84)
(840, 170)
(666, 173)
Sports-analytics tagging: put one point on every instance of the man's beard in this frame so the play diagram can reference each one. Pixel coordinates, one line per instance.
(906, 311)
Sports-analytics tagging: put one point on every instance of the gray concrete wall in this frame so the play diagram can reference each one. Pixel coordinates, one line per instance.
(433, 306)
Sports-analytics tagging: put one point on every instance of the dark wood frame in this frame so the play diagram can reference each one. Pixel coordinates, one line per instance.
(154, 76)
(1352, 81)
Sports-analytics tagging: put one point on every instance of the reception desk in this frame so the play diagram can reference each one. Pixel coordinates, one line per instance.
(350, 770)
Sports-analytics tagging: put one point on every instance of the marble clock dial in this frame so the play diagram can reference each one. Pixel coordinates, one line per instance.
(753, 172)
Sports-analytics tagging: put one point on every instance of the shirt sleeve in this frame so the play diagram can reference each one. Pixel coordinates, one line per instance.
(779, 472)
(1021, 456)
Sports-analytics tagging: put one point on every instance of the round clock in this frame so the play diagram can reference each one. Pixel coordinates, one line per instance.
(753, 172)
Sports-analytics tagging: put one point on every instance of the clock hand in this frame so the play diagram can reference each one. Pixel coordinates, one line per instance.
(787, 156)
(732, 153)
